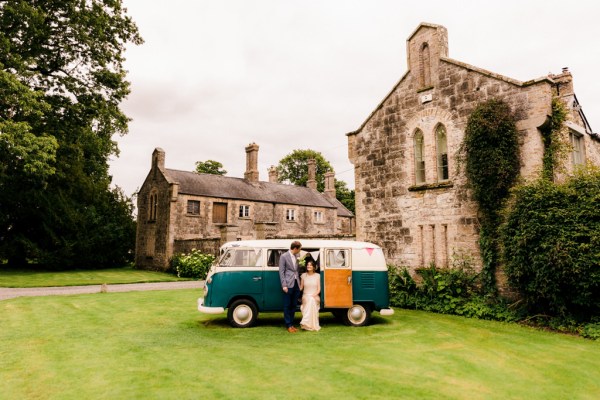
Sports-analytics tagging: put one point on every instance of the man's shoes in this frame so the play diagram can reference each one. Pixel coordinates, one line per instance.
(291, 329)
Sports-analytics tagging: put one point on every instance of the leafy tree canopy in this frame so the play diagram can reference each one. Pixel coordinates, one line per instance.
(210, 167)
(61, 85)
(345, 195)
(293, 168)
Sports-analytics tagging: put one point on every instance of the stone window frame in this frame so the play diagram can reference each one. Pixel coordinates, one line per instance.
(442, 170)
(193, 207)
(244, 211)
(153, 205)
(420, 172)
(424, 66)
(290, 215)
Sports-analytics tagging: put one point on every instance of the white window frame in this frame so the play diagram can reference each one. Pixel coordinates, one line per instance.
(290, 214)
(441, 150)
(578, 148)
(244, 211)
(419, 144)
(318, 216)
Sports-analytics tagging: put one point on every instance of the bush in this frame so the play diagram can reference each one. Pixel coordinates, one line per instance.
(193, 265)
(550, 246)
(591, 331)
(454, 290)
(403, 289)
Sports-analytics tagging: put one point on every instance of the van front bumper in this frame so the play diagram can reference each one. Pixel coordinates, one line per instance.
(209, 310)
(386, 312)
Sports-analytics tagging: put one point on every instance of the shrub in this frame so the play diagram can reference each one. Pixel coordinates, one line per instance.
(403, 288)
(591, 331)
(192, 265)
(454, 290)
(550, 246)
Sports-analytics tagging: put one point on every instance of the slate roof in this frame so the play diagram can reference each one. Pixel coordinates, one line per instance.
(210, 185)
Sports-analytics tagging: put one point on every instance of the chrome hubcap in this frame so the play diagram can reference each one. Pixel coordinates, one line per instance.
(242, 314)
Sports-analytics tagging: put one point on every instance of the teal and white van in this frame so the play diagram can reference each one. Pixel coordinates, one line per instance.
(245, 280)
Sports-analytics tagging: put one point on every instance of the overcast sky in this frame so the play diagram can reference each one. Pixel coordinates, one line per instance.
(214, 76)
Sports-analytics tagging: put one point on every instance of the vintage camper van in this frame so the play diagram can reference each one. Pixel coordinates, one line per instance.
(245, 280)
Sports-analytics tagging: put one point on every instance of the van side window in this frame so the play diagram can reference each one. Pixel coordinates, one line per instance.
(242, 258)
(273, 256)
(337, 258)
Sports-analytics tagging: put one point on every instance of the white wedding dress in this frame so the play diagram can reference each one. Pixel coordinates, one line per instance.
(310, 304)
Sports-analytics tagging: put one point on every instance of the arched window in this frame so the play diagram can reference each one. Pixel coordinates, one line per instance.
(153, 206)
(441, 142)
(419, 157)
(424, 66)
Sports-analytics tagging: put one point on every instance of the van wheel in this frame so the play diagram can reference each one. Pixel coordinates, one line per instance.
(242, 314)
(357, 315)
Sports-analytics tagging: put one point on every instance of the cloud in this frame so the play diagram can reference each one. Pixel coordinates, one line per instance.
(213, 77)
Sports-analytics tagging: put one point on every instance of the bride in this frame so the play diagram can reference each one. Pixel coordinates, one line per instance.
(310, 282)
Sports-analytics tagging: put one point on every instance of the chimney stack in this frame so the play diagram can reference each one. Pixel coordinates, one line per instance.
(251, 173)
(273, 174)
(312, 173)
(158, 158)
(564, 82)
(330, 184)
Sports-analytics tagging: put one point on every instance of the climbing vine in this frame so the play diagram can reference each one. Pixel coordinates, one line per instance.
(491, 152)
(555, 146)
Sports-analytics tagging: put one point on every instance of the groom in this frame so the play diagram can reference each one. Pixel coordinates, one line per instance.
(290, 283)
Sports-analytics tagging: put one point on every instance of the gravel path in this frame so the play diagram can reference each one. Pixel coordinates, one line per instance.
(9, 293)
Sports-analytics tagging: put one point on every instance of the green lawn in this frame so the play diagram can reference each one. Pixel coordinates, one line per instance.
(27, 278)
(155, 345)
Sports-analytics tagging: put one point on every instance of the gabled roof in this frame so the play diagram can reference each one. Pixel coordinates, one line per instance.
(210, 185)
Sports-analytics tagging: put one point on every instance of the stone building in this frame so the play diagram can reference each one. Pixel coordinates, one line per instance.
(411, 192)
(181, 210)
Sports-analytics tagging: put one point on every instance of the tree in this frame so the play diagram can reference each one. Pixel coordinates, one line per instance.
(345, 195)
(61, 85)
(210, 167)
(293, 168)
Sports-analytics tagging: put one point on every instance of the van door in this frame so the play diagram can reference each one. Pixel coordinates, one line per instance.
(337, 285)
(243, 273)
(273, 294)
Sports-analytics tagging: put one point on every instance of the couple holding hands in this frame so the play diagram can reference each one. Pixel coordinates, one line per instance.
(309, 283)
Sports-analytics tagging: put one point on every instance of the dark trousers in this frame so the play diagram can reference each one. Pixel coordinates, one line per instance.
(290, 302)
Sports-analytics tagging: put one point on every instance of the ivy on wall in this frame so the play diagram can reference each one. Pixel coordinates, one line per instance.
(555, 146)
(491, 150)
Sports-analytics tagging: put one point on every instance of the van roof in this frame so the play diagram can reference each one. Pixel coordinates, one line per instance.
(285, 243)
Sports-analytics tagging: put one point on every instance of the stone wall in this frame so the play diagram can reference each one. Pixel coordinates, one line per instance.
(153, 248)
(435, 221)
(175, 230)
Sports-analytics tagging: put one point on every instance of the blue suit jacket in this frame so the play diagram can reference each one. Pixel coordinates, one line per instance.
(288, 270)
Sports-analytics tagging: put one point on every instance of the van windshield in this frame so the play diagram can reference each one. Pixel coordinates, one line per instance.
(241, 258)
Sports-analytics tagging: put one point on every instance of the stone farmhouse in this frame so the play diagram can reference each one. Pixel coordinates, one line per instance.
(182, 210)
(411, 192)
